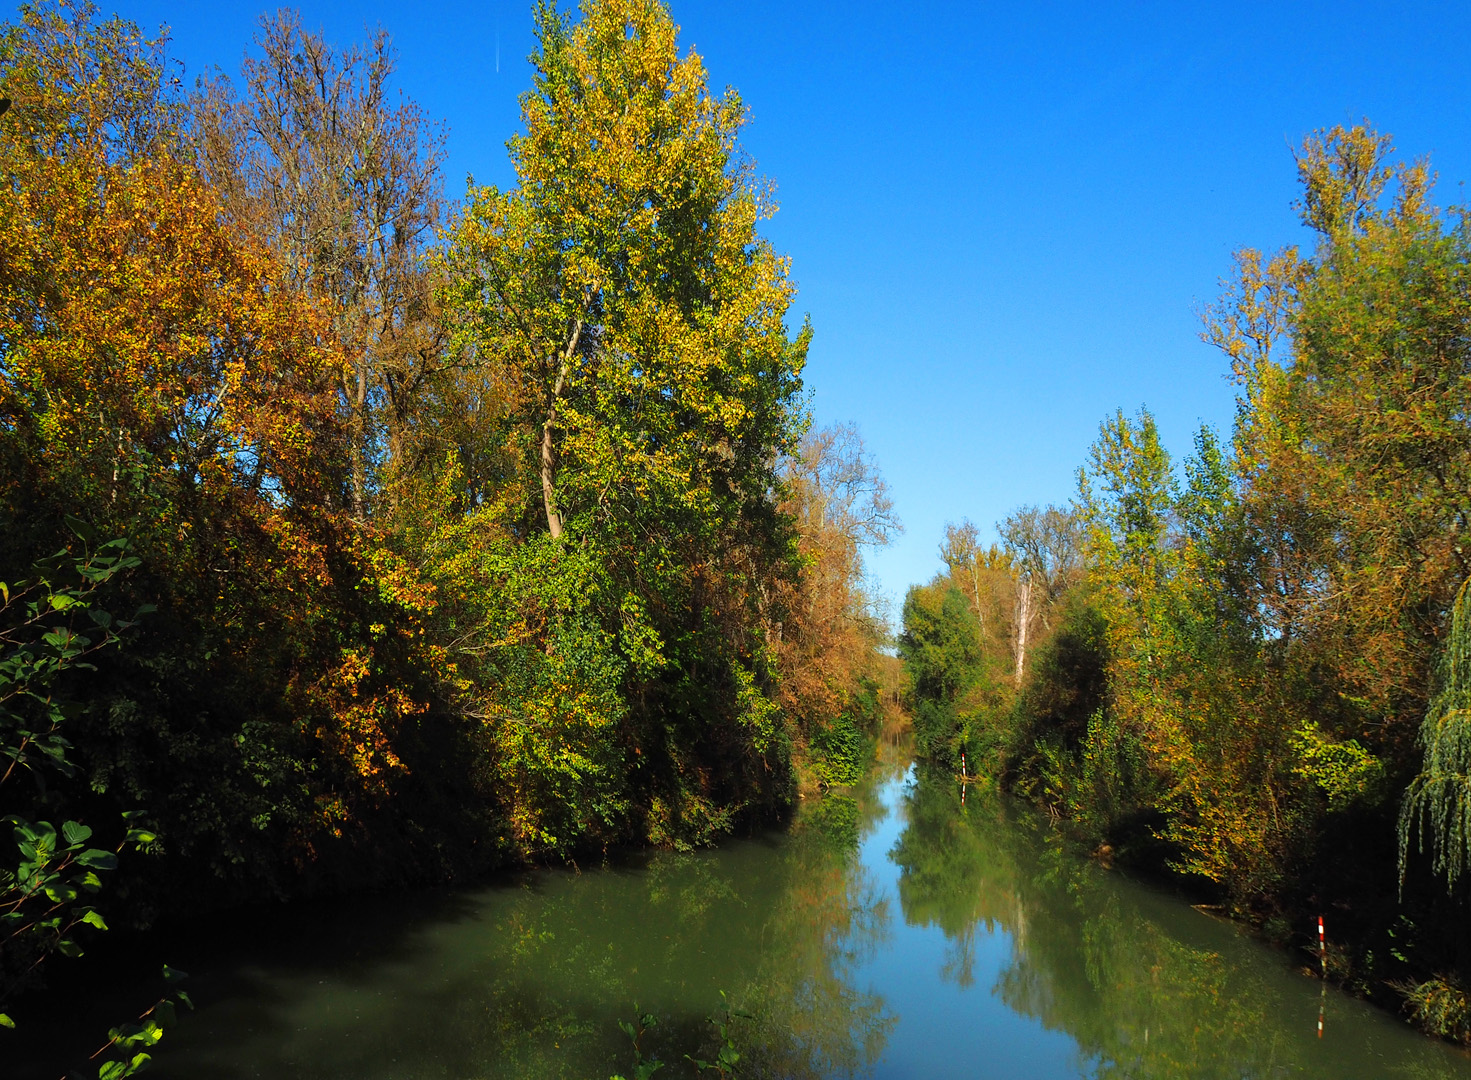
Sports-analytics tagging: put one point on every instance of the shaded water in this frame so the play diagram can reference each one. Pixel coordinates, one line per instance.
(898, 934)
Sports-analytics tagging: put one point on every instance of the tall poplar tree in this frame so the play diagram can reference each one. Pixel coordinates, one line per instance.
(624, 304)
(623, 283)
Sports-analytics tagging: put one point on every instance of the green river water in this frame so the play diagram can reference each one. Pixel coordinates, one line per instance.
(896, 933)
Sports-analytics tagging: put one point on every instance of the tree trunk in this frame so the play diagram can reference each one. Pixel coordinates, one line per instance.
(357, 428)
(548, 451)
(975, 583)
(1023, 617)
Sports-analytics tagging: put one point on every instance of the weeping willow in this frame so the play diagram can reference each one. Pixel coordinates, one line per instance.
(1438, 801)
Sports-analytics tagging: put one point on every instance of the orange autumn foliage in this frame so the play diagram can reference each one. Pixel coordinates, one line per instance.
(161, 376)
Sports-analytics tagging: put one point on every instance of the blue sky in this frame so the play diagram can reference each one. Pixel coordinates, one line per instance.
(1003, 218)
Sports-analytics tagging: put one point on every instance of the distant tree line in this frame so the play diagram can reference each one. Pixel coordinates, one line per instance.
(1251, 667)
(352, 536)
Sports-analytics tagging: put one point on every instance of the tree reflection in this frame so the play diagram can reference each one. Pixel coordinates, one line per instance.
(1145, 986)
(779, 926)
(531, 979)
(808, 1018)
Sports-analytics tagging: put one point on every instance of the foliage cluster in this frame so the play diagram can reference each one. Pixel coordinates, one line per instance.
(466, 536)
(1259, 658)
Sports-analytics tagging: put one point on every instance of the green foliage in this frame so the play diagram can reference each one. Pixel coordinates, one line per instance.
(1438, 800)
(643, 1068)
(727, 1057)
(504, 551)
(41, 638)
(1345, 771)
(843, 750)
(44, 892)
(1115, 783)
(623, 292)
(126, 1050)
(1065, 689)
(941, 650)
(1238, 673)
(1440, 1006)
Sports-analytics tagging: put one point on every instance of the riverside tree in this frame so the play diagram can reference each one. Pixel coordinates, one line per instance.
(1278, 621)
(632, 318)
(471, 546)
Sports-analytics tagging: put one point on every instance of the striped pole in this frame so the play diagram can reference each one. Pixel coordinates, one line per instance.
(1322, 948)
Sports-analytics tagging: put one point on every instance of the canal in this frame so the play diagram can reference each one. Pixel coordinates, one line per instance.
(893, 932)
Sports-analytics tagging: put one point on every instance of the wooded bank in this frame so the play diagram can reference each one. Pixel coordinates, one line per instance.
(1249, 667)
(354, 536)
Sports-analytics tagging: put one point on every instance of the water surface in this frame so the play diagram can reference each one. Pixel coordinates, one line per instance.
(894, 933)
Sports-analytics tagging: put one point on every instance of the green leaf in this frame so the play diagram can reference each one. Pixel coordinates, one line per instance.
(76, 833)
(91, 918)
(97, 859)
(5, 1021)
(41, 834)
(112, 1070)
(173, 975)
(60, 638)
(81, 528)
(146, 1035)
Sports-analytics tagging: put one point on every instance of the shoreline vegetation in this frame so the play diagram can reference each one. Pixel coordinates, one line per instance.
(357, 538)
(1247, 669)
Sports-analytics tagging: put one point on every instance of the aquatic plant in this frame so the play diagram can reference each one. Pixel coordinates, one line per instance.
(1439, 1006)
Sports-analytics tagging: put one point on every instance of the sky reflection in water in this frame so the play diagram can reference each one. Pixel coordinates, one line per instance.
(896, 934)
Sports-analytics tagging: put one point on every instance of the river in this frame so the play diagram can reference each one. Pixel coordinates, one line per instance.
(893, 933)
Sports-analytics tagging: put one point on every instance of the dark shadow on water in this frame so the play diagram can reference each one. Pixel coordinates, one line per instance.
(527, 976)
(62, 1025)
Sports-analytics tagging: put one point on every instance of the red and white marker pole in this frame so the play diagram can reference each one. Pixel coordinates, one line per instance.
(1323, 965)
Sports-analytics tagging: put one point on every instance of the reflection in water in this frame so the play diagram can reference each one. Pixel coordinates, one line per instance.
(531, 980)
(1144, 985)
(893, 932)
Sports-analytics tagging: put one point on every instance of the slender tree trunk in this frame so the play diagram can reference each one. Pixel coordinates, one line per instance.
(548, 451)
(117, 459)
(975, 584)
(548, 472)
(359, 429)
(1023, 617)
(354, 389)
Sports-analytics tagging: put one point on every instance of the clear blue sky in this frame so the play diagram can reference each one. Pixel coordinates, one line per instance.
(1002, 217)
